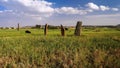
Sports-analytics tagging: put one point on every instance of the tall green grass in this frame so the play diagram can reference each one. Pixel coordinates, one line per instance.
(91, 50)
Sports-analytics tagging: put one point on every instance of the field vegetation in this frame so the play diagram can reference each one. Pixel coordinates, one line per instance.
(95, 48)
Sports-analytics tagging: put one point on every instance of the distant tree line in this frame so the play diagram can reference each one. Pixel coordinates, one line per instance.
(57, 27)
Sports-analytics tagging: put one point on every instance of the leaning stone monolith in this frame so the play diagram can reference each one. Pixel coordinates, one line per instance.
(62, 30)
(78, 28)
(45, 29)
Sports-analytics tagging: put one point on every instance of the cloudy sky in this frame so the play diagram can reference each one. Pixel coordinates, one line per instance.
(56, 12)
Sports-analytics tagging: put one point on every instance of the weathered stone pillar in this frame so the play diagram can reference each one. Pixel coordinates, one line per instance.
(45, 29)
(62, 30)
(18, 28)
(78, 28)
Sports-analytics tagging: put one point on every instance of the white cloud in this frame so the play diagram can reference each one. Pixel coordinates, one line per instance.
(70, 10)
(41, 5)
(104, 8)
(92, 6)
(89, 10)
(36, 11)
(5, 0)
(115, 9)
(6, 11)
(26, 12)
(29, 8)
(1, 11)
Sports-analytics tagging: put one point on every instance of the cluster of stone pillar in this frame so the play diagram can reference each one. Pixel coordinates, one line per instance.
(76, 33)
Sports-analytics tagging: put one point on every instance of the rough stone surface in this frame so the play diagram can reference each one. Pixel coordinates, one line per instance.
(78, 28)
(62, 30)
(27, 31)
(46, 29)
(18, 27)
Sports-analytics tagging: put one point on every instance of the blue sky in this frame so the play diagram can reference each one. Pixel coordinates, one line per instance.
(76, 3)
(56, 12)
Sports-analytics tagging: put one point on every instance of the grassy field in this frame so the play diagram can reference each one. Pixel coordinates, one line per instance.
(95, 48)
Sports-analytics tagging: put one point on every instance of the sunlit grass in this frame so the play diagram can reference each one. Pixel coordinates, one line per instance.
(93, 49)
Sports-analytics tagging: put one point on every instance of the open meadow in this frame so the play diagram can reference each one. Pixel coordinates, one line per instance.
(95, 48)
